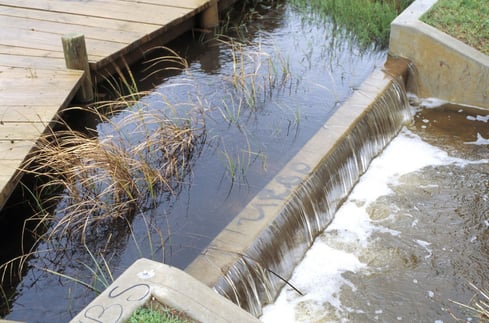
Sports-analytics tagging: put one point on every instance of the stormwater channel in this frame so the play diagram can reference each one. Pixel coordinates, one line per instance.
(403, 246)
(256, 95)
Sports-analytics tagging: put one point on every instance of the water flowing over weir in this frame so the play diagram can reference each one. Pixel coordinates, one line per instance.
(249, 261)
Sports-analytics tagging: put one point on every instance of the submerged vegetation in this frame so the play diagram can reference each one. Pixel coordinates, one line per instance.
(367, 21)
(466, 20)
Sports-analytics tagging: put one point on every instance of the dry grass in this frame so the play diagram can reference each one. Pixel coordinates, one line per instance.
(111, 176)
(478, 307)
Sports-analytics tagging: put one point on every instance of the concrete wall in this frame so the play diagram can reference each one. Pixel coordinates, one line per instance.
(447, 68)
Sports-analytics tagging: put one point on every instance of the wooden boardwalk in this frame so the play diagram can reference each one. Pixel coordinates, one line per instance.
(34, 82)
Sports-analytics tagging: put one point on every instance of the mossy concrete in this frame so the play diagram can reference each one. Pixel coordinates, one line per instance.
(446, 67)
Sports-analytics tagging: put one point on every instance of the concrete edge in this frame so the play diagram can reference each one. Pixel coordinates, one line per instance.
(146, 279)
(446, 67)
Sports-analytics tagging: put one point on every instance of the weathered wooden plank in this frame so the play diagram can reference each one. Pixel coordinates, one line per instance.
(16, 150)
(14, 37)
(59, 28)
(21, 131)
(32, 62)
(8, 168)
(187, 4)
(149, 13)
(21, 86)
(27, 113)
(29, 52)
(78, 20)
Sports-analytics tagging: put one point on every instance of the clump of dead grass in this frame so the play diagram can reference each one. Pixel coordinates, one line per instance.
(478, 307)
(134, 157)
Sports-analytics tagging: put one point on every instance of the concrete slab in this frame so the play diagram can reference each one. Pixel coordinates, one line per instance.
(146, 279)
(446, 67)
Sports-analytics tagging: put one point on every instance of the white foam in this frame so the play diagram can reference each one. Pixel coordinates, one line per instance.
(336, 250)
(478, 118)
(432, 103)
(480, 141)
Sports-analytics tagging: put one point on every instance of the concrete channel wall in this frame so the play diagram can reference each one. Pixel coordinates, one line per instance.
(446, 68)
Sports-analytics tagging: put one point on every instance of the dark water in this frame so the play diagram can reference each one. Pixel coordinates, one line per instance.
(300, 73)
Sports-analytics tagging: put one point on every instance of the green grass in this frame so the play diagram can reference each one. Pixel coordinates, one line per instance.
(367, 21)
(157, 313)
(466, 20)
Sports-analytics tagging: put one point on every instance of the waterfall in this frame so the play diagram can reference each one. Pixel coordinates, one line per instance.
(254, 255)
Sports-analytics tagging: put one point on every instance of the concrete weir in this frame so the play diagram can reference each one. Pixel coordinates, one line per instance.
(250, 260)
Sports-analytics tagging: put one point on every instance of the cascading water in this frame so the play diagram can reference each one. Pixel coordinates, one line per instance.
(251, 274)
(410, 242)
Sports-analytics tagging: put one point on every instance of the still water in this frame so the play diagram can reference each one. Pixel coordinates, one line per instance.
(412, 235)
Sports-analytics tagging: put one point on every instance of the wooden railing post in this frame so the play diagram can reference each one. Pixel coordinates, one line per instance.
(76, 57)
(209, 18)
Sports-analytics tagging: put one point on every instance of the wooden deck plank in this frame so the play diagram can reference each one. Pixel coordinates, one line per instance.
(31, 52)
(32, 62)
(59, 28)
(16, 151)
(52, 42)
(135, 12)
(14, 132)
(77, 20)
(27, 113)
(24, 86)
(187, 4)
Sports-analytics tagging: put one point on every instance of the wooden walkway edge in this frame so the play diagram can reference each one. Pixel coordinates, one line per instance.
(35, 85)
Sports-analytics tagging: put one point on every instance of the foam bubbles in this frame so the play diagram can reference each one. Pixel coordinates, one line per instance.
(338, 250)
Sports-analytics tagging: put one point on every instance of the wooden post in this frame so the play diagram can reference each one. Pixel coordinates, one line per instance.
(209, 18)
(76, 58)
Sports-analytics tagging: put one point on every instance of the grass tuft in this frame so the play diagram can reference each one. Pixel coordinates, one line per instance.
(157, 313)
(137, 155)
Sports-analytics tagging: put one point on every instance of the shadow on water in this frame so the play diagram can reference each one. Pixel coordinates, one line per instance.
(263, 89)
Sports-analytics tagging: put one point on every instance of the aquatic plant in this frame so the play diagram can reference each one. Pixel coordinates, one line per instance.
(256, 74)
